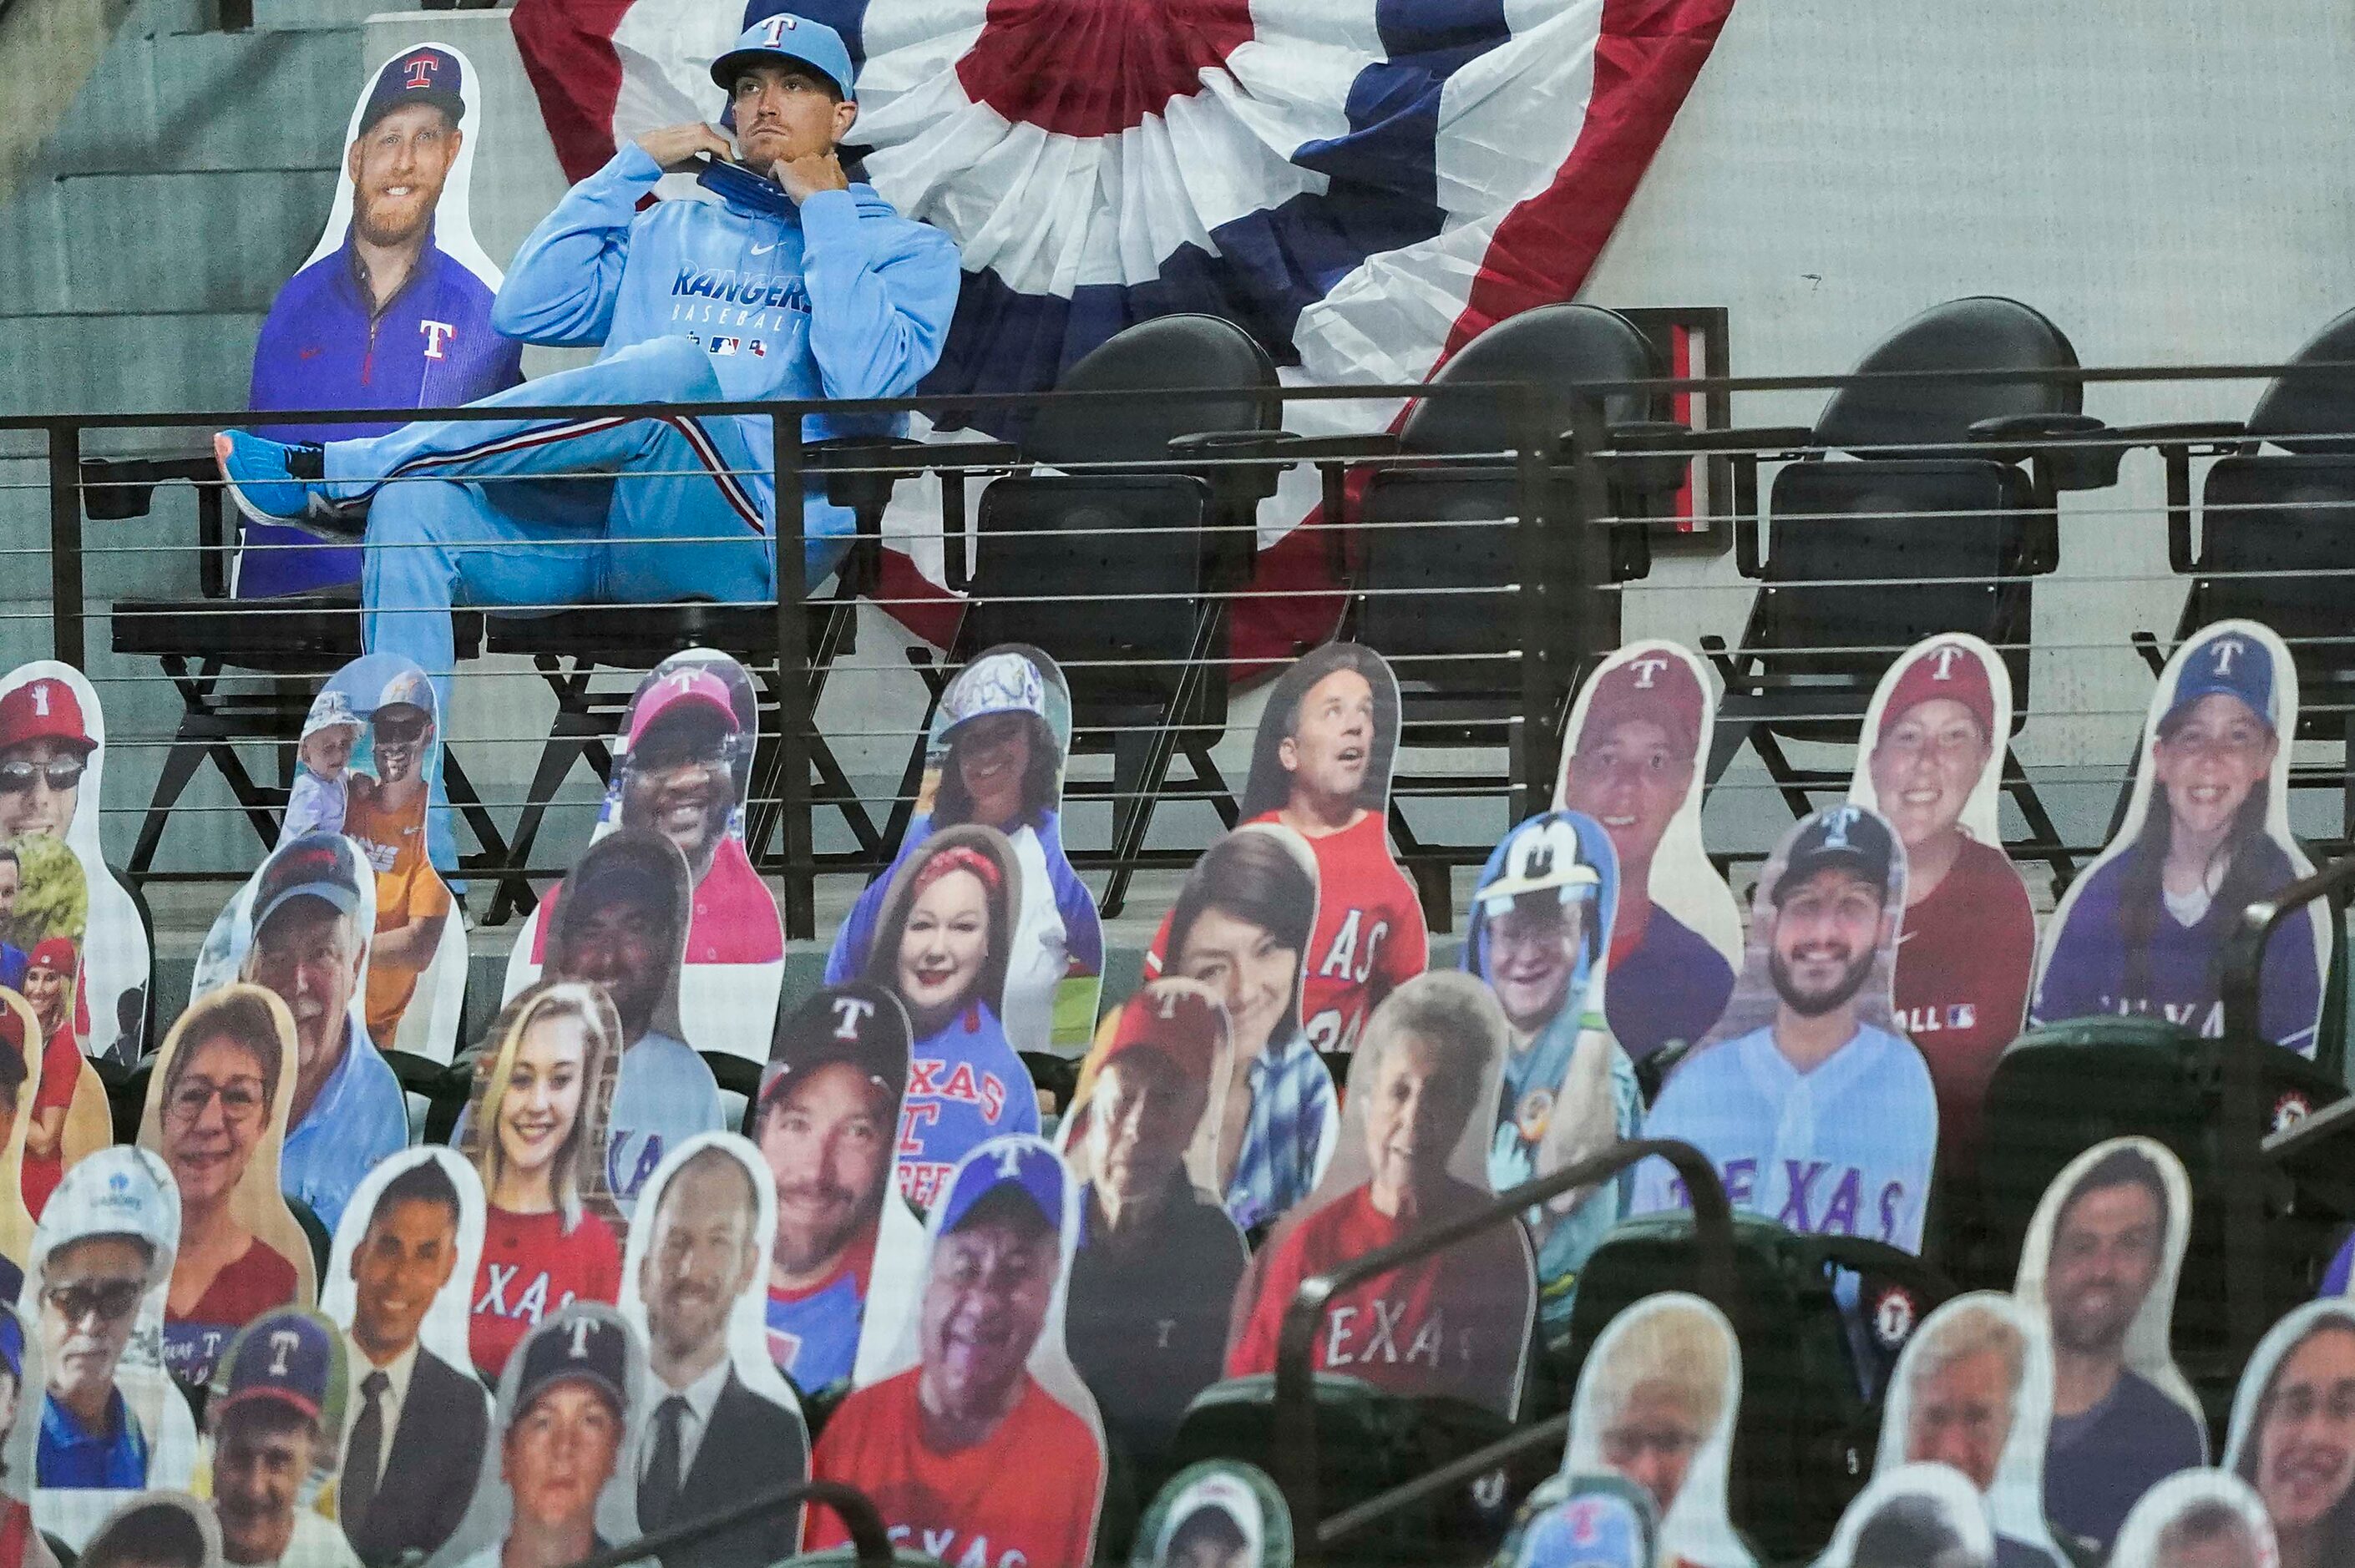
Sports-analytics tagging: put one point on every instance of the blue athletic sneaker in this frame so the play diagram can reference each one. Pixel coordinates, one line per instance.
(274, 482)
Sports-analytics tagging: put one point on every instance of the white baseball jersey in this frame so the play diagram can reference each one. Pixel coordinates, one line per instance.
(1845, 1149)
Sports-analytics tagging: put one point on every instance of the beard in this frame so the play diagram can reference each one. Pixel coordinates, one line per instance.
(1823, 1002)
(799, 1256)
(394, 220)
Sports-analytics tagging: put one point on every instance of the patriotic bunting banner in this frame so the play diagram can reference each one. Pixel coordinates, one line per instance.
(1365, 184)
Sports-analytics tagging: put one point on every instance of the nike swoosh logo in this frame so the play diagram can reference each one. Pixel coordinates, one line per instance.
(765, 249)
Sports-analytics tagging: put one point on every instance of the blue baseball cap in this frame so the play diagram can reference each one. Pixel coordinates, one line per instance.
(288, 1356)
(1848, 837)
(12, 1343)
(579, 1344)
(325, 866)
(1019, 1161)
(426, 74)
(2232, 664)
(785, 36)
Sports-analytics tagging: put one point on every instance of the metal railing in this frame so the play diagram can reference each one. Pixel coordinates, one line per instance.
(1295, 1448)
(870, 1540)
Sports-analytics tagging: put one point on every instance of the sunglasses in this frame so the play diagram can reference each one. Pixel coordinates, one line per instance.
(111, 1299)
(61, 773)
(399, 731)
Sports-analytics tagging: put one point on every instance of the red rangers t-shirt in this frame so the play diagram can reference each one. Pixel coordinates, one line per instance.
(1370, 940)
(1965, 955)
(1025, 1497)
(61, 1068)
(1457, 1322)
(529, 1269)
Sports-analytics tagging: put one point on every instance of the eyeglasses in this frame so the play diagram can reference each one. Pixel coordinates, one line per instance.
(241, 1100)
(110, 1299)
(399, 731)
(61, 774)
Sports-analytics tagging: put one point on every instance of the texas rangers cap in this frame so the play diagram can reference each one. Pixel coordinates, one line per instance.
(331, 709)
(861, 1024)
(1178, 1018)
(325, 866)
(55, 954)
(1541, 855)
(426, 74)
(1018, 1161)
(1654, 684)
(288, 1356)
(993, 683)
(1598, 1526)
(785, 36)
(43, 709)
(579, 1344)
(2226, 664)
(683, 690)
(1949, 670)
(1850, 837)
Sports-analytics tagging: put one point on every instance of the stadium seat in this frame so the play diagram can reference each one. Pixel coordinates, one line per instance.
(2273, 539)
(1820, 1320)
(1120, 565)
(1942, 523)
(1460, 684)
(245, 669)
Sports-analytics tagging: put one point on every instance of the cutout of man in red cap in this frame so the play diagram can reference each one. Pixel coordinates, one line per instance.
(1630, 766)
(684, 775)
(44, 747)
(1154, 1283)
(50, 978)
(1968, 942)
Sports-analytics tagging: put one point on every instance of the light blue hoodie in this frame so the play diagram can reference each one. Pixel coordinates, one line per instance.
(840, 297)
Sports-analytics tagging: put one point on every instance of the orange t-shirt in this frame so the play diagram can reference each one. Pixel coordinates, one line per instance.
(407, 888)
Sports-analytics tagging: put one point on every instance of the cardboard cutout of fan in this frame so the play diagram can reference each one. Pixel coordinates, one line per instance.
(1815, 1111)
(2141, 932)
(1416, 1126)
(998, 755)
(1632, 760)
(2297, 1381)
(980, 1443)
(69, 1117)
(52, 757)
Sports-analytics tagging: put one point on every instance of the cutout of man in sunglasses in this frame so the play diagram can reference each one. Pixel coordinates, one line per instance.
(115, 1246)
(44, 745)
(386, 815)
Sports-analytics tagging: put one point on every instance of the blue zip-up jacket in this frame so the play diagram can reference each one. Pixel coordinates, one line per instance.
(840, 297)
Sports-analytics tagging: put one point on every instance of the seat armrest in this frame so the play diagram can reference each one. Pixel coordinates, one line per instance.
(1765, 440)
(1247, 463)
(2078, 451)
(2219, 433)
(116, 489)
(1648, 461)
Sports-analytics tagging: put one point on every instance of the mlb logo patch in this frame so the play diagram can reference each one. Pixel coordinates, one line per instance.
(726, 346)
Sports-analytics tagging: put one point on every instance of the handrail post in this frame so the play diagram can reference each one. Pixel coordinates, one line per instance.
(65, 545)
(1534, 563)
(1295, 1455)
(794, 718)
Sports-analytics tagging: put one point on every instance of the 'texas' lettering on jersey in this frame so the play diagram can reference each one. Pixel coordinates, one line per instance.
(726, 297)
(940, 1545)
(1340, 976)
(1387, 1333)
(984, 1089)
(1819, 1197)
(502, 1299)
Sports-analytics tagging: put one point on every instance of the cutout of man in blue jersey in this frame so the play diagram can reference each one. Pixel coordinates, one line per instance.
(796, 283)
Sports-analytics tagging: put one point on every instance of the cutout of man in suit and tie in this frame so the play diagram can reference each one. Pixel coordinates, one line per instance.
(713, 1438)
(418, 1425)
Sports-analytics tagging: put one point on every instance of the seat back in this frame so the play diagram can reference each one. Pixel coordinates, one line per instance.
(2279, 545)
(1134, 541)
(2313, 410)
(1557, 347)
(1231, 379)
(1908, 549)
(1439, 603)
(1885, 418)
(2062, 1089)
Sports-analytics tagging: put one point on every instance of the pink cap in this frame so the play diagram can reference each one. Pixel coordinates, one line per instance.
(688, 683)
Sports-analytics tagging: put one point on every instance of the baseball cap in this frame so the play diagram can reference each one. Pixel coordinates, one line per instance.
(1949, 670)
(1598, 1526)
(288, 1356)
(43, 709)
(864, 1025)
(12, 1343)
(1541, 855)
(426, 74)
(406, 688)
(993, 683)
(52, 953)
(1017, 1160)
(785, 36)
(331, 709)
(118, 1191)
(317, 866)
(1850, 837)
(635, 862)
(2227, 663)
(578, 1344)
(1652, 685)
(690, 684)
(1178, 1018)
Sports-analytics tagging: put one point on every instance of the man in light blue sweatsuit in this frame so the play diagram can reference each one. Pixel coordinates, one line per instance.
(797, 284)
